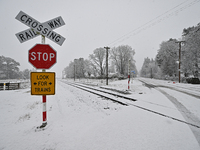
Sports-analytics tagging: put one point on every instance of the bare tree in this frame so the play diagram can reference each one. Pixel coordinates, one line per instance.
(88, 68)
(97, 60)
(120, 56)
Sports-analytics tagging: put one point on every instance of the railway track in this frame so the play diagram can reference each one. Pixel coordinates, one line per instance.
(123, 100)
(103, 93)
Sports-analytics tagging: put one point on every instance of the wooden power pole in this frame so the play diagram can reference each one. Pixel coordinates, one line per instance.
(179, 66)
(107, 48)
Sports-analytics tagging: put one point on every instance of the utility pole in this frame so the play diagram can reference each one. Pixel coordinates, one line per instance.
(107, 48)
(179, 66)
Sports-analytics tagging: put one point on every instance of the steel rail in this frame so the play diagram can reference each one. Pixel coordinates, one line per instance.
(114, 94)
(114, 100)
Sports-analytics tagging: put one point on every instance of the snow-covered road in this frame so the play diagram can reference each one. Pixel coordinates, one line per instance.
(186, 97)
(78, 120)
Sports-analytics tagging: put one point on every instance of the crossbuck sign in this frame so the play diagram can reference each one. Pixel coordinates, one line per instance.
(37, 28)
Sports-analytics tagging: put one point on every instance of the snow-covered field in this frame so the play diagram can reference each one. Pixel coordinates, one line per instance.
(78, 120)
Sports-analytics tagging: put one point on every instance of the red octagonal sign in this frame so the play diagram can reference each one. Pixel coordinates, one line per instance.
(42, 56)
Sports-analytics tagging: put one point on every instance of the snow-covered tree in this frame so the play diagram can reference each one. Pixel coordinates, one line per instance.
(69, 70)
(9, 68)
(191, 51)
(98, 60)
(120, 56)
(149, 69)
(167, 57)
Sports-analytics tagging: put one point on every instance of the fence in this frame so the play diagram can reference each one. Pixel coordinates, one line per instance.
(9, 86)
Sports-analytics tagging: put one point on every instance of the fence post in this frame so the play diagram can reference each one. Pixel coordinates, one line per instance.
(18, 85)
(8, 86)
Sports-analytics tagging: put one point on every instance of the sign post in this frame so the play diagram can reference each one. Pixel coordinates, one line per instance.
(132, 76)
(44, 98)
(43, 83)
(41, 56)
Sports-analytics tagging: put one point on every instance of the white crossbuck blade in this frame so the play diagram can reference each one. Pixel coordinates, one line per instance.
(37, 28)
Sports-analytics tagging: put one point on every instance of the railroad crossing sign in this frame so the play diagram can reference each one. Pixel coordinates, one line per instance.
(42, 56)
(37, 28)
(42, 83)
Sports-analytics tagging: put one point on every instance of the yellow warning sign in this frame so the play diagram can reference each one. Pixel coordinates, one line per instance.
(42, 83)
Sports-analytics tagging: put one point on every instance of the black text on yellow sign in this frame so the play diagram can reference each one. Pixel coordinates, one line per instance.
(42, 83)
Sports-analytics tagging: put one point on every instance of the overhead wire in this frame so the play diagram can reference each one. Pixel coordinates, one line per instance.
(154, 21)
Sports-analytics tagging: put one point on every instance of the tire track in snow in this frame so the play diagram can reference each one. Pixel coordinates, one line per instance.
(190, 118)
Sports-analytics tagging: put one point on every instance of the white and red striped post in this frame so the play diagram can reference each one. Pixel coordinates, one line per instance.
(44, 110)
(129, 74)
(128, 82)
(44, 99)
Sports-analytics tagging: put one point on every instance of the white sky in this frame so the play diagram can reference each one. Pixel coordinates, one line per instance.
(91, 24)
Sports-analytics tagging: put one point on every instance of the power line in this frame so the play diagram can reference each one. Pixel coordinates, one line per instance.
(154, 21)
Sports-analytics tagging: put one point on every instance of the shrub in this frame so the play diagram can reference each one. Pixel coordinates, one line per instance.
(193, 80)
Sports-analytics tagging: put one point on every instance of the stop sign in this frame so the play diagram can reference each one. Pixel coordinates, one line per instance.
(42, 56)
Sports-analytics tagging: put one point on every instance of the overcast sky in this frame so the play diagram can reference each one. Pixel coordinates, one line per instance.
(90, 24)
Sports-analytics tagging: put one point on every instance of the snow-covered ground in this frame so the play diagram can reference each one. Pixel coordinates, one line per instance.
(78, 120)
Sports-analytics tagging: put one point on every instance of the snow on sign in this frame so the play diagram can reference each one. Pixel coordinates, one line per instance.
(42, 83)
(37, 28)
(42, 56)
